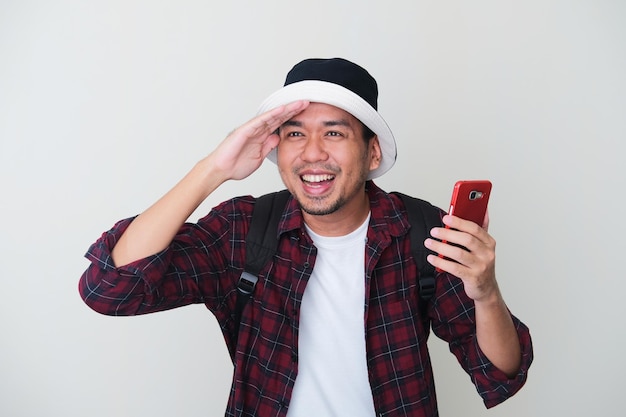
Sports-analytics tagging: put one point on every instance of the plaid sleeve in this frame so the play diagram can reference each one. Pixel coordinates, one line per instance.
(454, 322)
(195, 268)
(123, 291)
(492, 384)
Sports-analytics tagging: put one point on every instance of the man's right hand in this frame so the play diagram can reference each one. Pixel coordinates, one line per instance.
(244, 150)
(238, 156)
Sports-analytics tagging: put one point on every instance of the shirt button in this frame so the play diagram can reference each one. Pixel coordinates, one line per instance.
(306, 264)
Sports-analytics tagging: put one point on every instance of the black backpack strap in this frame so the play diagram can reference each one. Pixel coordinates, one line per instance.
(261, 244)
(423, 216)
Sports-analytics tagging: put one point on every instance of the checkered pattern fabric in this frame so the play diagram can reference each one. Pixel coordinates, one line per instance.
(203, 264)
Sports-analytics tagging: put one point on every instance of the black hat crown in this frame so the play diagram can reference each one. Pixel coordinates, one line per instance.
(337, 71)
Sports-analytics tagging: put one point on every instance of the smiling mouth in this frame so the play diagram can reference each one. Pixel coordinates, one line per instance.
(317, 179)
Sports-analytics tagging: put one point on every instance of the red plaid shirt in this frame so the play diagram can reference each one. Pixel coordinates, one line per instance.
(203, 265)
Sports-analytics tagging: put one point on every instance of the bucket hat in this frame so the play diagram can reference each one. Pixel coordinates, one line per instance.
(343, 84)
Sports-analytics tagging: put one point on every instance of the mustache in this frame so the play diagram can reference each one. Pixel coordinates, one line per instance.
(334, 169)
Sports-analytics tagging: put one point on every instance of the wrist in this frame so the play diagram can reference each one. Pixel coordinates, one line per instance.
(208, 175)
(490, 299)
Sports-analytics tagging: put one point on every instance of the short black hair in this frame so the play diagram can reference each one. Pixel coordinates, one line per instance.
(368, 134)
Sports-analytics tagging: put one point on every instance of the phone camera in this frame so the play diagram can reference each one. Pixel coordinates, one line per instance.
(475, 195)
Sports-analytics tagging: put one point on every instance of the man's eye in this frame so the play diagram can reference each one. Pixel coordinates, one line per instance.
(334, 133)
(293, 134)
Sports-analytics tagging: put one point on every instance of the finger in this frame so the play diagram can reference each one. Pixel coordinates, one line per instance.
(466, 226)
(449, 266)
(455, 253)
(271, 120)
(453, 236)
(486, 221)
(460, 261)
(482, 246)
(270, 143)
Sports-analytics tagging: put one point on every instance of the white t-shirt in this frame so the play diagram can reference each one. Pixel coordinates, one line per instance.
(332, 366)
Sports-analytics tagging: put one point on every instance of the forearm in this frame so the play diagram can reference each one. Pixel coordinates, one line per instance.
(496, 334)
(153, 230)
(239, 155)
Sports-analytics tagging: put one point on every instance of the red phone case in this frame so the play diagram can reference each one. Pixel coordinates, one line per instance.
(469, 201)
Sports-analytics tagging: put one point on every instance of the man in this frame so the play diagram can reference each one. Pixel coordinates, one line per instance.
(335, 325)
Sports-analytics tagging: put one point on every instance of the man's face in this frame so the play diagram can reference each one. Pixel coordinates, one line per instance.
(324, 160)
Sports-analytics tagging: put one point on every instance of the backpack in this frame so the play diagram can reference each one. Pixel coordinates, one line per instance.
(262, 241)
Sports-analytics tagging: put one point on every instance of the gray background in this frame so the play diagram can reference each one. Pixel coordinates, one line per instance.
(105, 105)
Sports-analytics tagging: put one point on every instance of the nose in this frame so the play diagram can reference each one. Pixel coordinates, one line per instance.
(314, 150)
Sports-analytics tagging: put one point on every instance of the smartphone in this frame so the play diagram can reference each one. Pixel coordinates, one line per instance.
(469, 201)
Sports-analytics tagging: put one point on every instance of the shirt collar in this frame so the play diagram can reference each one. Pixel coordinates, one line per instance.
(388, 215)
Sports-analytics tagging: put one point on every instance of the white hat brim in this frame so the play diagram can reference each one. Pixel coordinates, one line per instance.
(338, 96)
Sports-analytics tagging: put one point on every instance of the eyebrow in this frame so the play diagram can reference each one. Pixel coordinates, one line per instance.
(328, 123)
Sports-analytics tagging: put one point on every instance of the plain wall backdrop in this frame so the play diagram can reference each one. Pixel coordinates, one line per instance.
(104, 105)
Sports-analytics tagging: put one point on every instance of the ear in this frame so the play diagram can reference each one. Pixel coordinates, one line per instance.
(375, 153)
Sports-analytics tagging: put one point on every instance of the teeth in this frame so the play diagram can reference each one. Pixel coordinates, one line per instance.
(317, 178)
